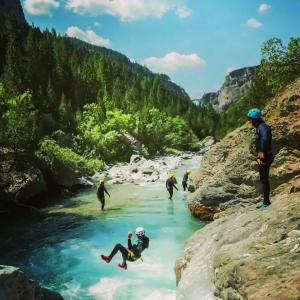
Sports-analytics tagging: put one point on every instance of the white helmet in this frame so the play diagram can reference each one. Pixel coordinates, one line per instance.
(140, 231)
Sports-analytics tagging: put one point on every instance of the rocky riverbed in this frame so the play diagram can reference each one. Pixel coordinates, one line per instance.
(247, 253)
(140, 169)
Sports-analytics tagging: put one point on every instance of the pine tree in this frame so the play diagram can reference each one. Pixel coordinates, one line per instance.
(13, 78)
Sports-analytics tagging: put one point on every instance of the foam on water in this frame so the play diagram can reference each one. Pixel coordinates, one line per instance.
(161, 295)
(107, 288)
(67, 259)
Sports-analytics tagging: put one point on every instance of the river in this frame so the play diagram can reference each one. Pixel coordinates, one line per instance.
(62, 249)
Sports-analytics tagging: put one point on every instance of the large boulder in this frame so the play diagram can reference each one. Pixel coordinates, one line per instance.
(59, 173)
(15, 285)
(229, 175)
(20, 178)
(247, 253)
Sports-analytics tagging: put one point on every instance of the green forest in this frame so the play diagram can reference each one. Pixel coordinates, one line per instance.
(73, 100)
(80, 102)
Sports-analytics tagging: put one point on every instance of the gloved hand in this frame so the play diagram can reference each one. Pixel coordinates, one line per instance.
(129, 235)
(261, 156)
(260, 162)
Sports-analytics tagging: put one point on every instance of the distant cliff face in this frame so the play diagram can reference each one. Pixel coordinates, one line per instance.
(235, 87)
(12, 8)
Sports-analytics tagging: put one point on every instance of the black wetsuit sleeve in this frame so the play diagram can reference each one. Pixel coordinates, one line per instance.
(175, 186)
(146, 243)
(106, 192)
(130, 247)
(265, 137)
(185, 178)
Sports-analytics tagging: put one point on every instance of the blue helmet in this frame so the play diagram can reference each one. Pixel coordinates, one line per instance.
(255, 114)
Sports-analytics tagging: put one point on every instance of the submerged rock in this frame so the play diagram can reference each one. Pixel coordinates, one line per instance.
(15, 285)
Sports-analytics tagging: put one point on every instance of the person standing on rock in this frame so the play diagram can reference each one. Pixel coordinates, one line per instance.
(170, 184)
(100, 194)
(185, 179)
(264, 152)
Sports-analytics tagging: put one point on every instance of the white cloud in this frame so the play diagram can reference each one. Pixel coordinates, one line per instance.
(264, 8)
(174, 61)
(183, 12)
(88, 36)
(253, 23)
(129, 10)
(40, 7)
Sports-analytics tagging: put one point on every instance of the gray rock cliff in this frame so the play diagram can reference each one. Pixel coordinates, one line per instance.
(234, 88)
(246, 253)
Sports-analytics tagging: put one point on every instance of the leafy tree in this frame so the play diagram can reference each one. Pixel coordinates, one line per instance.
(20, 123)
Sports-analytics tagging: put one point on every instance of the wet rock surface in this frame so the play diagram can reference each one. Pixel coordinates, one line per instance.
(247, 253)
(14, 285)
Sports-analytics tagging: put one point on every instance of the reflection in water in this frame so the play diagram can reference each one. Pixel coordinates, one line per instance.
(62, 248)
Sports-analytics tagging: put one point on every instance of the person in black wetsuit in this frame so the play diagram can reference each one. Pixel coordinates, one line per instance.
(133, 252)
(264, 152)
(100, 194)
(170, 183)
(185, 179)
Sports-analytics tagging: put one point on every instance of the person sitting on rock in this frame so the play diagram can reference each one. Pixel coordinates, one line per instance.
(100, 194)
(170, 183)
(133, 252)
(264, 149)
(185, 179)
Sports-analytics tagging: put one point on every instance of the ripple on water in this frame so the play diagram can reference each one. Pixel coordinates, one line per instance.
(62, 251)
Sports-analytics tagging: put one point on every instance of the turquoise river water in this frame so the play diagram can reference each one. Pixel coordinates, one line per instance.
(62, 250)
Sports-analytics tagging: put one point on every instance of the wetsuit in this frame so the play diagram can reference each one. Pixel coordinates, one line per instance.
(133, 252)
(169, 185)
(264, 144)
(185, 180)
(101, 196)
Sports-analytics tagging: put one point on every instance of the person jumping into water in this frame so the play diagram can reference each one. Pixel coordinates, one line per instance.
(185, 179)
(170, 183)
(264, 148)
(133, 252)
(100, 194)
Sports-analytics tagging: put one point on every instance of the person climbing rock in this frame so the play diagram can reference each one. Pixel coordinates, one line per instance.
(264, 152)
(170, 183)
(133, 252)
(185, 179)
(100, 194)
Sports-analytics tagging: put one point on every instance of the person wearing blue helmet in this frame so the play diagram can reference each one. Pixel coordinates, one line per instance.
(264, 152)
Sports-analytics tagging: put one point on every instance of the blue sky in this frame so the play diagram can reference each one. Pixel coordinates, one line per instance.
(195, 42)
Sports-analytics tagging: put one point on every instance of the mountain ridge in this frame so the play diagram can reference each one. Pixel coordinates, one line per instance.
(235, 86)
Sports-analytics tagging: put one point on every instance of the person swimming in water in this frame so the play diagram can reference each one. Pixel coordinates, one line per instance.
(133, 252)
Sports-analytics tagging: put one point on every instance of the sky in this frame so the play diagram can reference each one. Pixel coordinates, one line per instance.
(195, 42)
